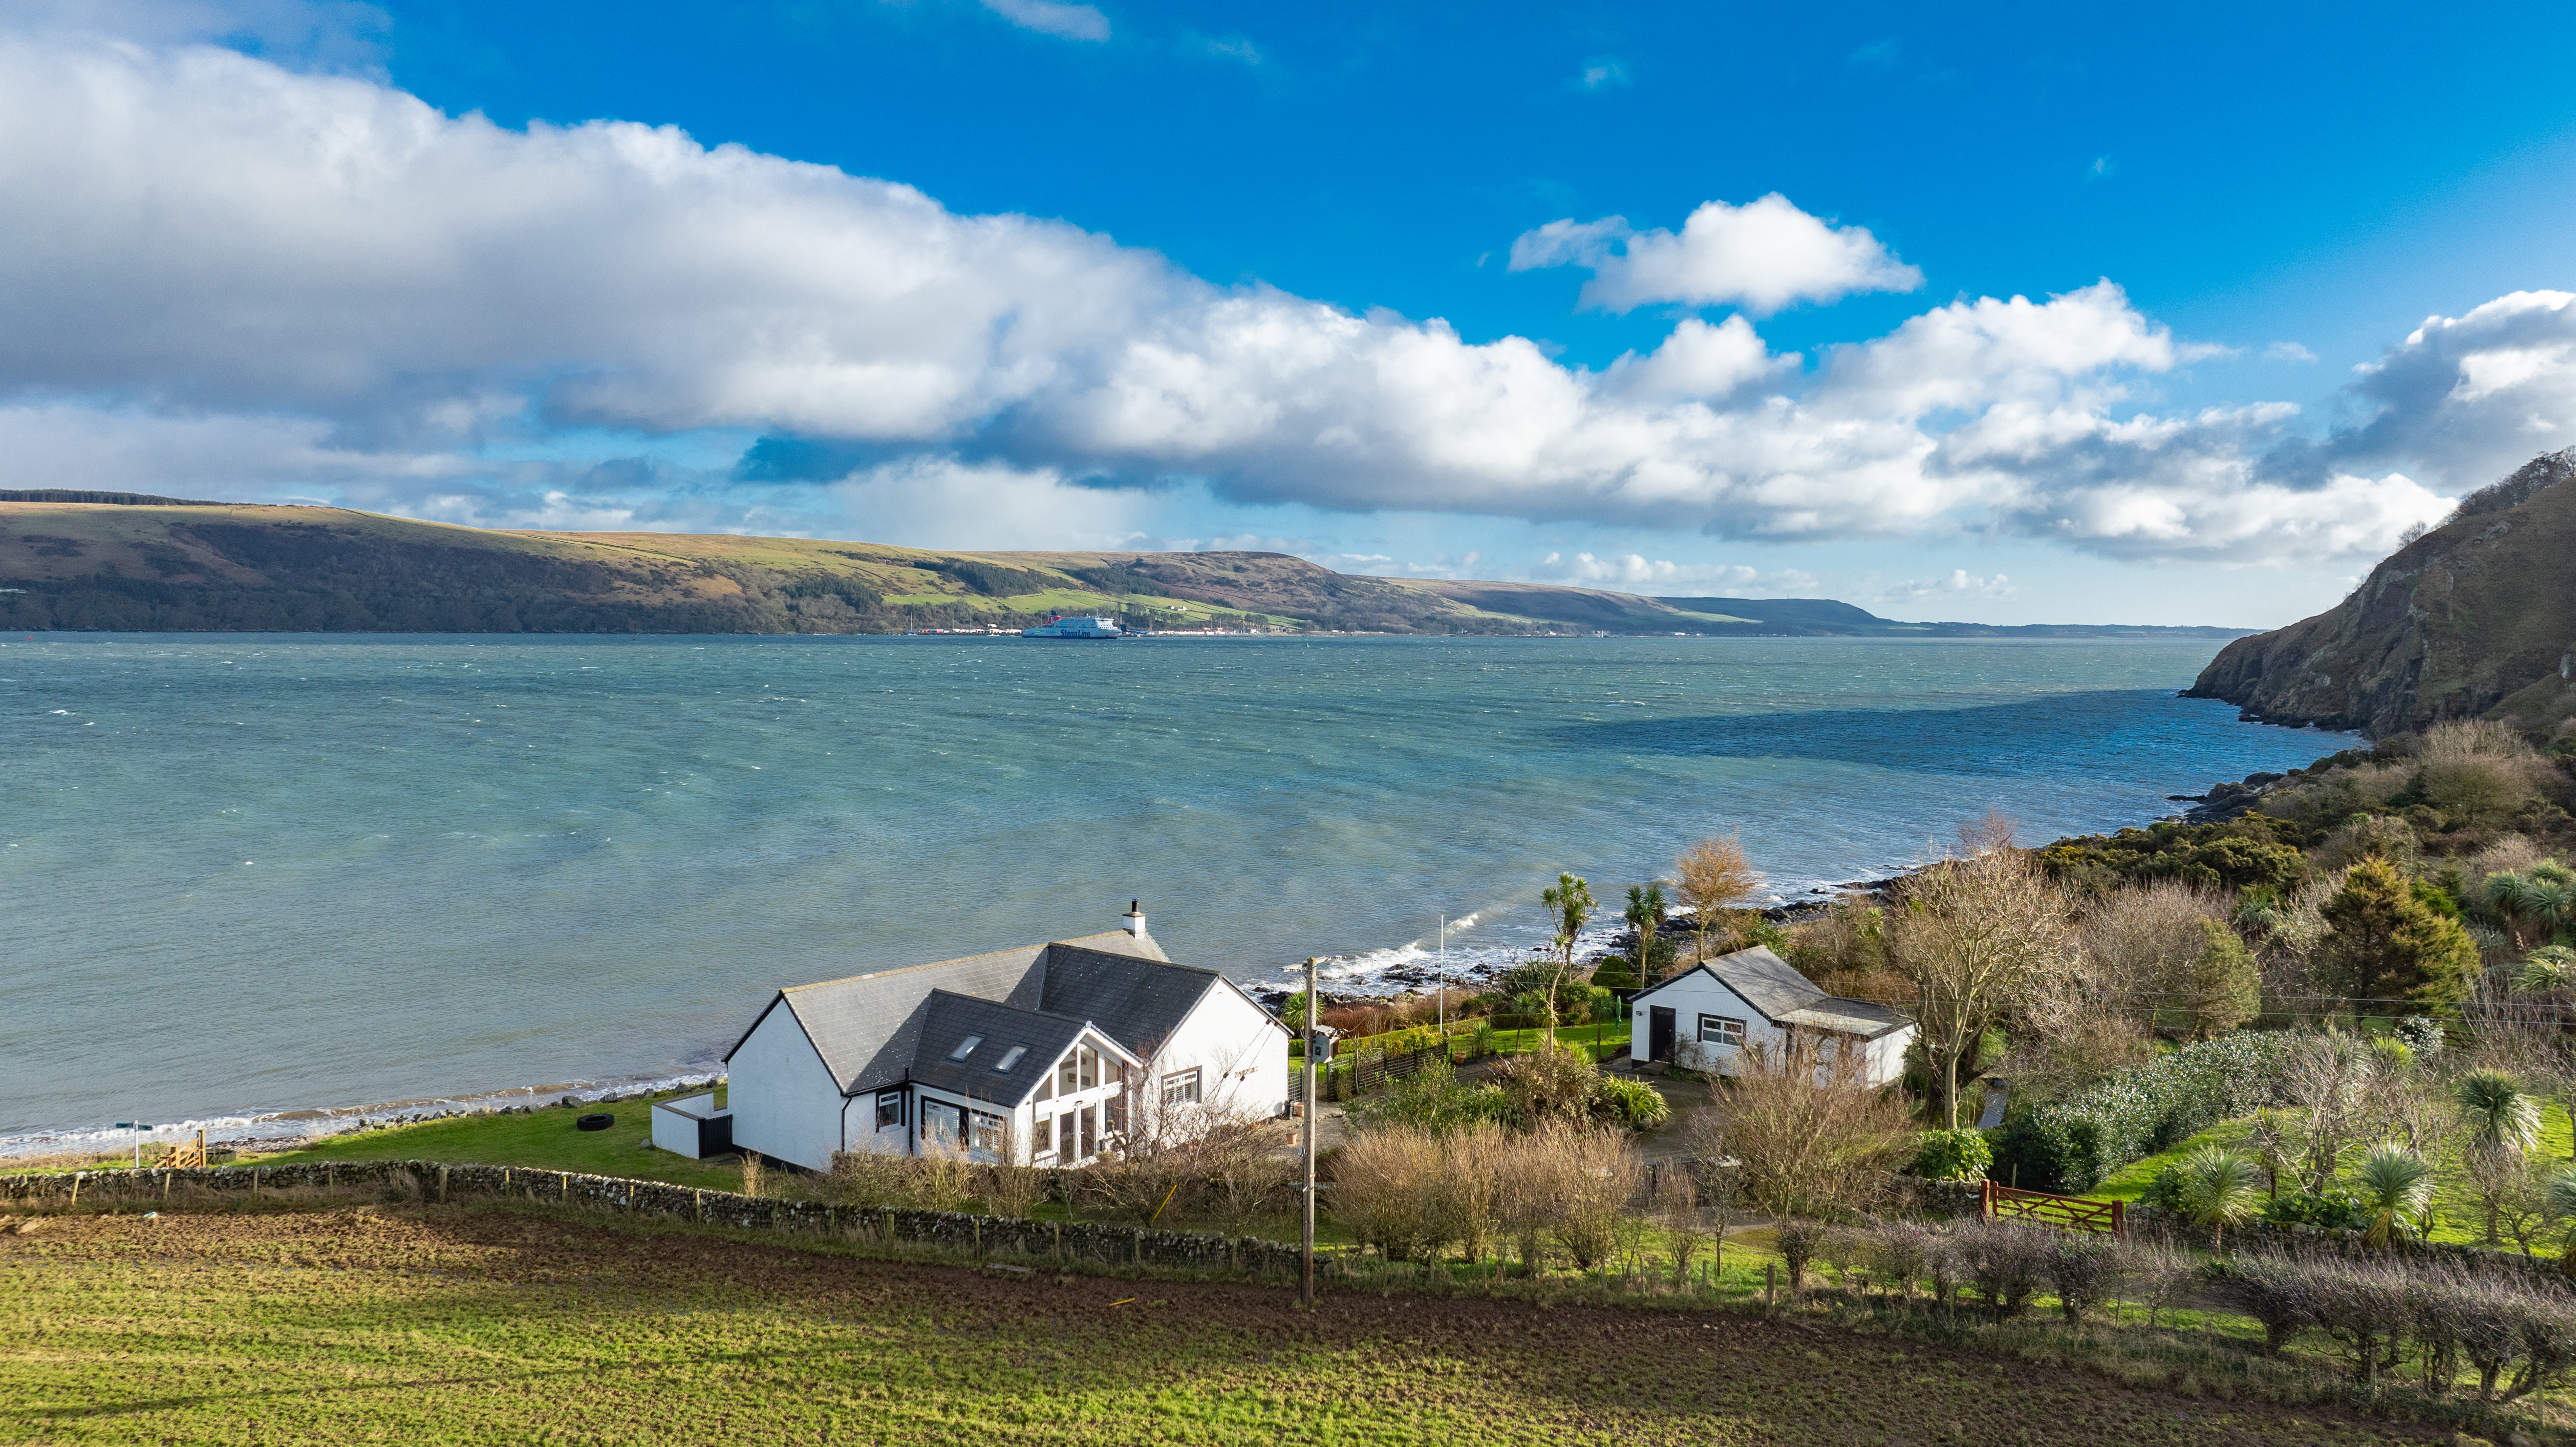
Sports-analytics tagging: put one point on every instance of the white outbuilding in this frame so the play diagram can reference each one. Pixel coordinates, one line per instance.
(1705, 1018)
(1049, 1053)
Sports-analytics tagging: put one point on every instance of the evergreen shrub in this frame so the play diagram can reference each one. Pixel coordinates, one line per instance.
(1952, 1155)
(2070, 1145)
(2335, 1207)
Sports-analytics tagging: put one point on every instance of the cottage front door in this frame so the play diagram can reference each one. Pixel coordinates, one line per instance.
(1659, 1033)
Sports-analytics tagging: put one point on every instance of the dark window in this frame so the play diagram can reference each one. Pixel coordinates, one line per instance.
(1090, 1131)
(1067, 1138)
(942, 1124)
(1043, 1135)
(889, 1109)
(1090, 1067)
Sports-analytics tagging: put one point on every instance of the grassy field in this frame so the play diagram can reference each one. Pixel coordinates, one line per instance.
(545, 1139)
(2461, 1217)
(493, 1324)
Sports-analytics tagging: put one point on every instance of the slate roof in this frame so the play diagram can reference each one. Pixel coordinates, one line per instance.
(1773, 986)
(948, 1018)
(1139, 1007)
(870, 1029)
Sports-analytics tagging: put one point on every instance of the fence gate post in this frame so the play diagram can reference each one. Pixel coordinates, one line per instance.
(442, 1185)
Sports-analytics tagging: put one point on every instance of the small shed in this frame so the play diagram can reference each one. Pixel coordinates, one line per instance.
(1705, 1017)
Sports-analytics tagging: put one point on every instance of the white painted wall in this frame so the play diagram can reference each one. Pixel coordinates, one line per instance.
(675, 1122)
(1240, 1052)
(1698, 993)
(1689, 997)
(786, 1105)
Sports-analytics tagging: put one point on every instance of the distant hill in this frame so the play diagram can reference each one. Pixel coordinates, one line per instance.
(2476, 617)
(127, 561)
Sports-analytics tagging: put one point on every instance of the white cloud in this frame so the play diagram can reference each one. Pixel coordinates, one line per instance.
(1602, 72)
(336, 285)
(1959, 584)
(940, 502)
(1634, 572)
(1763, 255)
(1048, 17)
(2475, 396)
(2288, 352)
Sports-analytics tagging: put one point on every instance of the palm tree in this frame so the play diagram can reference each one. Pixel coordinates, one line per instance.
(2542, 898)
(1571, 899)
(2550, 967)
(2218, 1189)
(2395, 1185)
(1646, 916)
(2560, 1203)
(2501, 1117)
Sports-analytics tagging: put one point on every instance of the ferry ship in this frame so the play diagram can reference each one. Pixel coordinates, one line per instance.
(1088, 627)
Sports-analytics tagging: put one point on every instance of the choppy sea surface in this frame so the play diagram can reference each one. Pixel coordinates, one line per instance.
(249, 875)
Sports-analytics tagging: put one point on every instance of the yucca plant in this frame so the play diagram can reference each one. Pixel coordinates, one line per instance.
(2560, 1203)
(2216, 1189)
(2550, 967)
(2500, 1115)
(2395, 1185)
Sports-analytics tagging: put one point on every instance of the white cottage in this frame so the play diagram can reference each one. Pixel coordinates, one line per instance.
(1704, 1017)
(1055, 1050)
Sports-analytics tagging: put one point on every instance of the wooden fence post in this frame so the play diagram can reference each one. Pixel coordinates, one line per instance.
(2119, 1218)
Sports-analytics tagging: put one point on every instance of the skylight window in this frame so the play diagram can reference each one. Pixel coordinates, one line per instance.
(1010, 1057)
(965, 1047)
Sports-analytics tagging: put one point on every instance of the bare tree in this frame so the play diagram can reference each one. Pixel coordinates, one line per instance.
(1809, 1137)
(1980, 938)
(2140, 943)
(1714, 879)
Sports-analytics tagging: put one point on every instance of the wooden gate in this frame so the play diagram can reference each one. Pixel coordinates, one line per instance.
(2068, 1213)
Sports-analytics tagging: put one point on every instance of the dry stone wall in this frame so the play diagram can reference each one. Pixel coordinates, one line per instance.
(954, 1233)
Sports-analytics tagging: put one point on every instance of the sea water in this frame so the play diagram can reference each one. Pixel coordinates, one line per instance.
(263, 873)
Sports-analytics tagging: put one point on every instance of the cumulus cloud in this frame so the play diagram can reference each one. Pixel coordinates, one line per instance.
(333, 279)
(2288, 352)
(1762, 256)
(1635, 572)
(1959, 584)
(1048, 17)
(941, 502)
(2477, 395)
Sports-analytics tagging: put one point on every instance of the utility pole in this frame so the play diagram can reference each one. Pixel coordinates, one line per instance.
(1306, 1237)
(1440, 1009)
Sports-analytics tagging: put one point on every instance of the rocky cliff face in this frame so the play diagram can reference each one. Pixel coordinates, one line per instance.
(2477, 617)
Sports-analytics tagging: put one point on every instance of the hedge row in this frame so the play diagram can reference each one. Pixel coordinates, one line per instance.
(2070, 1145)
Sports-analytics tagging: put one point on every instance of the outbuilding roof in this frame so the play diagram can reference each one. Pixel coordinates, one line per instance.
(1773, 986)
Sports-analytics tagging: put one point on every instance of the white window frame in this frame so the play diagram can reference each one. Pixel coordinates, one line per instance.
(1713, 1030)
(890, 1099)
(1181, 1087)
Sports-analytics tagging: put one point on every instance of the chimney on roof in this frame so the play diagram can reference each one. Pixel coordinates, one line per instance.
(1136, 918)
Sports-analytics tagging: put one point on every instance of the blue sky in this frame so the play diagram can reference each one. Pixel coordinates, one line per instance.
(1351, 282)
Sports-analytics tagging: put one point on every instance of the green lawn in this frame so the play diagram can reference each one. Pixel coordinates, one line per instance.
(2461, 1217)
(545, 1139)
(490, 1323)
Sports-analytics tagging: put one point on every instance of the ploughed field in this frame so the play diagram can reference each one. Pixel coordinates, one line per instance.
(490, 1323)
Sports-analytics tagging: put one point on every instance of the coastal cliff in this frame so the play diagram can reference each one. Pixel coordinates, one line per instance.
(2476, 618)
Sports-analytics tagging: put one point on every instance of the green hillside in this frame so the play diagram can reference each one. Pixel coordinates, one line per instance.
(90, 561)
